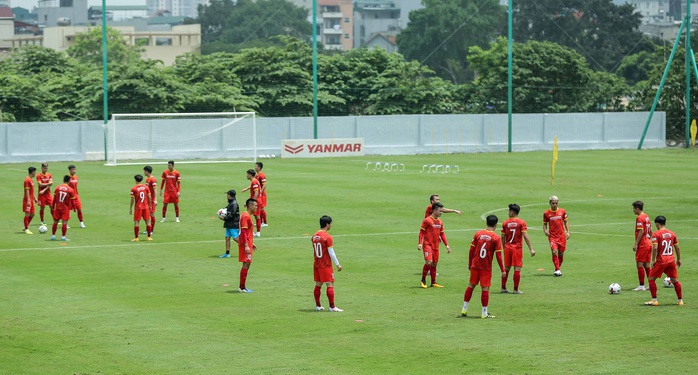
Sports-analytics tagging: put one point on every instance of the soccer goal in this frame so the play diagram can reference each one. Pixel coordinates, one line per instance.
(184, 137)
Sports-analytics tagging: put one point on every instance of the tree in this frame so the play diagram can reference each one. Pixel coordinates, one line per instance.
(250, 24)
(598, 29)
(547, 77)
(87, 48)
(440, 34)
(213, 18)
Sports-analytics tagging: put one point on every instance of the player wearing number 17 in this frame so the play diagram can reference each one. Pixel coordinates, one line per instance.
(486, 243)
(140, 196)
(664, 245)
(323, 252)
(62, 204)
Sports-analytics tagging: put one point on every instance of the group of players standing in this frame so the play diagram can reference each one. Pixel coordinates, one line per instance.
(653, 250)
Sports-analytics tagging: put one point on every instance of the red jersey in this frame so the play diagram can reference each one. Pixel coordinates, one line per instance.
(665, 241)
(431, 233)
(171, 180)
(485, 243)
(28, 185)
(262, 179)
(643, 223)
(74, 183)
(44, 179)
(254, 188)
(556, 227)
(428, 212)
(142, 195)
(512, 231)
(246, 231)
(322, 241)
(152, 184)
(63, 198)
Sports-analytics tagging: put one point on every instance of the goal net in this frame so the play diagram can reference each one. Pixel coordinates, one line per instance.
(184, 137)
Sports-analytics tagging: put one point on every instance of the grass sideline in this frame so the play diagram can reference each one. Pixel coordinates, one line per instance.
(101, 304)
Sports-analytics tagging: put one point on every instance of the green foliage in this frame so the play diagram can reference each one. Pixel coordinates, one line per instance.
(213, 18)
(87, 48)
(100, 304)
(636, 68)
(440, 34)
(556, 80)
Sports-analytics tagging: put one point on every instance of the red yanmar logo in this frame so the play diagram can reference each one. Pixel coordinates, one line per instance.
(344, 147)
(293, 150)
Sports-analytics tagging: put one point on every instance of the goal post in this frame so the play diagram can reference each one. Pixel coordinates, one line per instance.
(184, 137)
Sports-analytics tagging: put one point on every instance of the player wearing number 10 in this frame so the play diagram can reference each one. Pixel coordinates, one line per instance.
(323, 251)
(140, 195)
(664, 245)
(62, 203)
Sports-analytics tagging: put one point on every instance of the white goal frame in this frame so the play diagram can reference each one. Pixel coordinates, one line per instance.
(207, 137)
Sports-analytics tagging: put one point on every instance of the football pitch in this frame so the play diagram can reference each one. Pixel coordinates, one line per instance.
(100, 304)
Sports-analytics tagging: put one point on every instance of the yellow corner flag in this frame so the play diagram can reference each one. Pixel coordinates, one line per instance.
(694, 130)
(552, 181)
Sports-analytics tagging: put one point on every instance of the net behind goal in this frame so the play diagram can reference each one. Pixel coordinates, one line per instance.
(222, 136)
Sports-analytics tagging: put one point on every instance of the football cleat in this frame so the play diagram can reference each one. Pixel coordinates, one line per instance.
(435, 285)
(504, 291)
(464, 312)
(680, 303)
(135, 240)
(517, 292)
(53, 238)
(557, 273)
(640, 288)
(488, 316)
(319, 308)
(265, 225)
(423, 285)
(335, 309)
(150, 238)
(176, 220)
(244, 290)
(163, 220)
(225, 256)
(652, 303)
(82, 225)
(65, 239)
(27, 231)
(258, 234)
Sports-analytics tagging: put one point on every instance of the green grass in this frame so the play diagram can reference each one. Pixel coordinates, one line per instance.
(104, 305)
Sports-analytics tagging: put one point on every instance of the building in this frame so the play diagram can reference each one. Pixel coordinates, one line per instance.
(7, 25)
(374, 16)
(335, 24)
(384, 40)
(62, 12)
(185, 8)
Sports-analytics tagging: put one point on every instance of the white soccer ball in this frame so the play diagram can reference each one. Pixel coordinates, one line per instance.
(43, 229)
(668, 283)
(614, 288)
(222, 213)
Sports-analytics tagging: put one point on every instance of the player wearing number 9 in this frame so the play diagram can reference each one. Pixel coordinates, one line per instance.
(140, 196)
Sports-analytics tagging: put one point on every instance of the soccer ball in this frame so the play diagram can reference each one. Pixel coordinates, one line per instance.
(222, 213)
(43, 229)
(614, 288)
(668, 283)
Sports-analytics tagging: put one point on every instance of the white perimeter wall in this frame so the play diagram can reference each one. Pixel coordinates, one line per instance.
(383, 135)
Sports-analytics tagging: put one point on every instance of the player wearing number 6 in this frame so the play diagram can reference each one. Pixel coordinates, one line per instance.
(664, 245)
(486, 243)
(140, 196)
(323, 251)
(514, 230)
(62, 203)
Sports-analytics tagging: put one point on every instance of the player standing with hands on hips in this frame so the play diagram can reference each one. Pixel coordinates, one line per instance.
(246, 243)
(557, 230)
(171, 185)
(431, 234)
(323, 251)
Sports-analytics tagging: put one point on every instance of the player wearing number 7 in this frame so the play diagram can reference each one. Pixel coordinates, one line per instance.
(431, 234)
(323, 252)
(664, 245)
(513, 231)
(140, 196)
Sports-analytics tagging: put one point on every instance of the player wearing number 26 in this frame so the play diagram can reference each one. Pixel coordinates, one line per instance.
(140, 196)
(664, 246)
(323, 252)
(63, 198)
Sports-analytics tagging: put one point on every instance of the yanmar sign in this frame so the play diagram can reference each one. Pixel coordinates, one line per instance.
(322, 148)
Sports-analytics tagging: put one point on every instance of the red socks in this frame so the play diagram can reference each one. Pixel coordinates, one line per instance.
(264, 216)
(176, 210)
(468, 294)
(136, 229)
(653, 288)
(517, 279)
(330, 296)
(243, 277)
(316, 292)
(164, 210)
(433, 274)
(678, 290)
(641, 275)
(556, 262)
(425, 269)
(485, 298)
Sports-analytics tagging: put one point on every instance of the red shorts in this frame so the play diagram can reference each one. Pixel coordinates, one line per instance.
(141, 213)
(61, 215)
(242, 257)
(171, 197)
(431, 255)
(28, 208)
(668, 268)
(323, 275)
(77, 204)
(263, 201)
(559, 245)
(643, 254)
(513, 257)
(45, 200)
(482, 277)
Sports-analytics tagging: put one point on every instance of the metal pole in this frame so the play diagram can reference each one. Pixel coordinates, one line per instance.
(688, 72)
(105, 84)
(314, 69)
(510, 94)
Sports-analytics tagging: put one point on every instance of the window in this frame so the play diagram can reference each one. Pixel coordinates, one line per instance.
(346, 20)
(346, 36)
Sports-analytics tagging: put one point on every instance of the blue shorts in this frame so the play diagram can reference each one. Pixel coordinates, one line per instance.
(232, 232)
